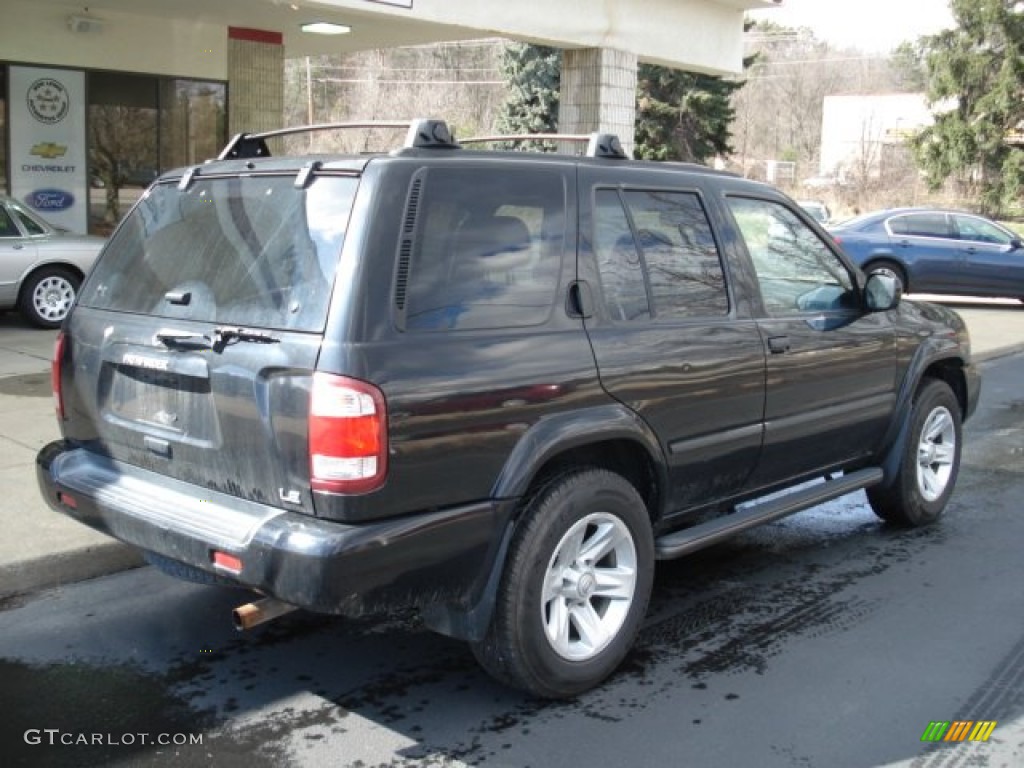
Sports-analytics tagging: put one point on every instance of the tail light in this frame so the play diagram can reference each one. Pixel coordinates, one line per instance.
(347, 435)
(55, 376)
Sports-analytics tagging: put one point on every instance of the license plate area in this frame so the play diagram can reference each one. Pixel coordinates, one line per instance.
(176, 404)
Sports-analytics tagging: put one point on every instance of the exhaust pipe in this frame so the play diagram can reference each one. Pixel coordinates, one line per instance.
(259, 611)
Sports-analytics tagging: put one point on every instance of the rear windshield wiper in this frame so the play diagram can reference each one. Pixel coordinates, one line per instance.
(173, 338)
(224, 335)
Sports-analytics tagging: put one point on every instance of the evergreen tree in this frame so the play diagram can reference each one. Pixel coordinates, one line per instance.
(533, 73)
(908, 67)
(681, 115)
(976, 87)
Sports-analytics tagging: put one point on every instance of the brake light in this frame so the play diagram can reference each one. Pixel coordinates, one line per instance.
(347, 435)
(55, 376)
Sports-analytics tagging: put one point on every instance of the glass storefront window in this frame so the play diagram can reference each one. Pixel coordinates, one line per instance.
(140, 126)
(193, 121)
(122, 144)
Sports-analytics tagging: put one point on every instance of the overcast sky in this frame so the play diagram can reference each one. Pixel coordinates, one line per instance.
(871, 25)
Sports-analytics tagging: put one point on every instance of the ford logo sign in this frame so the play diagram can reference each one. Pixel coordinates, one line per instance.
(50, 199)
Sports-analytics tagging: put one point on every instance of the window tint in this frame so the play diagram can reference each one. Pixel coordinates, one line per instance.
(247, 251)
(618, 259)
(660, 255)
(7, 227)
(27, 222)
(980, 231)
(487, 251)
(683, 268)
(796, 270)
(920, 225)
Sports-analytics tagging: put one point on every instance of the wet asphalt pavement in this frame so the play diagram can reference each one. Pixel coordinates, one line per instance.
(828, 639)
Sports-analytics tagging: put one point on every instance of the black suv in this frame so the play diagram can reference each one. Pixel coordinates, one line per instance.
(494, 385)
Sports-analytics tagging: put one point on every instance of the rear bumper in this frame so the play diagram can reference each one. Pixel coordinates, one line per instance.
(436, 557)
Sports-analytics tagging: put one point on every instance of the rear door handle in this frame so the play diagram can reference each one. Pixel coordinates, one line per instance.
(778, 345)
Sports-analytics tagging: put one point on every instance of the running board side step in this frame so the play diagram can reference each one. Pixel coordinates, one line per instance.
(689, 540)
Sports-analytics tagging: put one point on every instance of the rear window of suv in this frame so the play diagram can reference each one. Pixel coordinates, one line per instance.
(251, 251)
(488, 251)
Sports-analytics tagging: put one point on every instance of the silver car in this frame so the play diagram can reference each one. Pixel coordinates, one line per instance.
(41, 266)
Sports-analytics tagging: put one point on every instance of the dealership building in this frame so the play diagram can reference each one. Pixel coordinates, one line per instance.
(125, 89)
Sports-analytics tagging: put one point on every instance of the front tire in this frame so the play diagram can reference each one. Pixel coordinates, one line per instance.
(47, 296)
(930, 461)
(575, 586)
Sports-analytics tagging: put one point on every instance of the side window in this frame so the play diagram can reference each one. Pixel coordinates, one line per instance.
(7, 227)
(27, 223)
(924, 225)
(980, 231)
(796, 270)
(487, 251)
(618, 259)
(659, 259)
(684, 271)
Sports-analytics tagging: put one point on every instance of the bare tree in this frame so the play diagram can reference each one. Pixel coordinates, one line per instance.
(459, 82)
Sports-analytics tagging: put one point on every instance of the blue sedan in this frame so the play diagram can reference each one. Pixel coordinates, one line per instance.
(935, 251)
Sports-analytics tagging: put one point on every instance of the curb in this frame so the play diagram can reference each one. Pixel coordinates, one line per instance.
(68, 567)
(999, 352)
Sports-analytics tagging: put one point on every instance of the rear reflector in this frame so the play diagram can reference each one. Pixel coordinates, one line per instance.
(55, 376)
(67, 500)
(227, 562)
(347, 435)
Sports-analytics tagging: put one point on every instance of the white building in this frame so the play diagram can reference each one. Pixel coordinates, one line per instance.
(856, 129)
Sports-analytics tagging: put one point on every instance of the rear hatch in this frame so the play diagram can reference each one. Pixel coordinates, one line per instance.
(192, 347)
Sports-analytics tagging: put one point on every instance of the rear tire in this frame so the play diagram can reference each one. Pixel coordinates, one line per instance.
(575, 586)
(887, 267)
(930, 461)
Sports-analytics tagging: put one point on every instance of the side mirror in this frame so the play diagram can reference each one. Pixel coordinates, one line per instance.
(882, 292)
(1016, 244)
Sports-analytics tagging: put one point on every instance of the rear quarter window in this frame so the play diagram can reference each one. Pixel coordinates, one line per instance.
(488, 249)
(252, 251)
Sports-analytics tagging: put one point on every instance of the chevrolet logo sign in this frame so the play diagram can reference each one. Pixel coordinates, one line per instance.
(48, 150)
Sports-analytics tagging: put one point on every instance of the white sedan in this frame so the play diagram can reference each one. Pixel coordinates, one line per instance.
(41, 266)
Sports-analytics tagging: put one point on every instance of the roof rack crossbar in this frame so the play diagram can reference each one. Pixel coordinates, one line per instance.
(598, 144)
(420, 133)
(329, 127)
(574, 137)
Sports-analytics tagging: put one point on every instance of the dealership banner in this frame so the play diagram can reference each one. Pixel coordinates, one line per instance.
(48, 155)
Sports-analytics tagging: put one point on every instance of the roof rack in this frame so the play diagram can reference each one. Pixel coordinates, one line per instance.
(605, 145)
(419, 133)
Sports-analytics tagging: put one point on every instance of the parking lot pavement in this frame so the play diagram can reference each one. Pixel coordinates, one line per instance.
(42, 549)
(39, 548)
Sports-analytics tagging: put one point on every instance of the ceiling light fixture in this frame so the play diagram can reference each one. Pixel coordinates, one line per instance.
(325, 28)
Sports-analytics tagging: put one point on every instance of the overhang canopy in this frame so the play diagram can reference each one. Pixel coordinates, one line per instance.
(699, 35)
